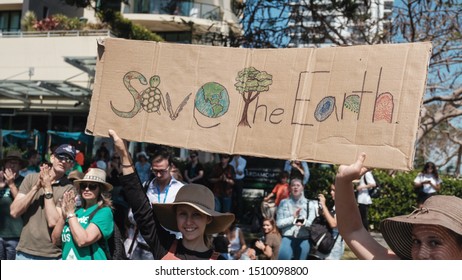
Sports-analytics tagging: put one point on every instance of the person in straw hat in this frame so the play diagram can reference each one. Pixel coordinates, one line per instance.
(81, 229)
(433, 231)
(192, 213)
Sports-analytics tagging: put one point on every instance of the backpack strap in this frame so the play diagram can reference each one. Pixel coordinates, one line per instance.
(92, 214)
(147, 183)
(171, 252)
(135, 236)
(104, 244)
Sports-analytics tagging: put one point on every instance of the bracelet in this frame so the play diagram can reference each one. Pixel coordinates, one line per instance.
(70, 216)
(127, 165)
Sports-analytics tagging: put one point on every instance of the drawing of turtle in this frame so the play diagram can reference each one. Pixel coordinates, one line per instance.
(152, 98)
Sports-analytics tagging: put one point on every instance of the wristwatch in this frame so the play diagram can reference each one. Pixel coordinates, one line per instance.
(48, 195)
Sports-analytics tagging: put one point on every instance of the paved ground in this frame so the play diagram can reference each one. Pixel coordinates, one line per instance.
(378, 236)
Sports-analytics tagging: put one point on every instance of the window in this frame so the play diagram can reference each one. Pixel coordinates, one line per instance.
(10, 20)
(177, 37)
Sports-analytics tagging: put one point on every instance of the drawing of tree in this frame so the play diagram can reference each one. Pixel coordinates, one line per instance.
(250, 83)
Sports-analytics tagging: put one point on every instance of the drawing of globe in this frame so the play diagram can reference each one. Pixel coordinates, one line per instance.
(212, 100)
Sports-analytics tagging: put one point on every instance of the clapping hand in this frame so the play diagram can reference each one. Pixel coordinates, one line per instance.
(68, 203)
(45, 177)
(9, 176)
(260, 245)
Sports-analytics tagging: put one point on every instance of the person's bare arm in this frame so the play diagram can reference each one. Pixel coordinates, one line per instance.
(121, 148)
(52, 212)
(268, 197)
(331, 220)
(266, 249)
(436, 186)
(82, 237)
(23, 201)
(57, 231)
(348, 218)
(243, 245)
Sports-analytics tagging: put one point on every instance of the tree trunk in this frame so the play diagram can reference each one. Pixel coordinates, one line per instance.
(244, 121)
(458, 162)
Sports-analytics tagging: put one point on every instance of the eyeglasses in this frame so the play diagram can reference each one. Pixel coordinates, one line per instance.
(64, 158)
(161, 172)
(90, 186)
(192, 156)
(116, 158)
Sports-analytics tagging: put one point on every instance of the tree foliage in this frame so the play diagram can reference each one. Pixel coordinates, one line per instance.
(120, 26)
(316, 23)
(250, 83)
(440, 22)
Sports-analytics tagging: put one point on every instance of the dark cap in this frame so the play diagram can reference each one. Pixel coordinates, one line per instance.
(66, 149)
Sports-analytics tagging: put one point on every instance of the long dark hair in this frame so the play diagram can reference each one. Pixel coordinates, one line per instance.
(432, 165)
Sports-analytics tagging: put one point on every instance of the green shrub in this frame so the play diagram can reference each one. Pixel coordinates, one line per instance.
(124, 28)
(66, 23)
(399, 197)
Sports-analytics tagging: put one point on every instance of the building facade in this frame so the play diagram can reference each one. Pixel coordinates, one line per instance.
(306, 29)
(46, 78)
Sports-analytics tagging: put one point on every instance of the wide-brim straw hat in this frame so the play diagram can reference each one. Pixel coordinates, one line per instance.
(14, 155)
(199, 197)
(75, 175)
(94, 175)
(440, 210)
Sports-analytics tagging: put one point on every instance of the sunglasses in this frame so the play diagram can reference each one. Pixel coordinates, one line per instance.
(64, 158)
(90, 186)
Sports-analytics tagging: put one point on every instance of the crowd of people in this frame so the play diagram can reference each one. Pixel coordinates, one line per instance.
(54, 210)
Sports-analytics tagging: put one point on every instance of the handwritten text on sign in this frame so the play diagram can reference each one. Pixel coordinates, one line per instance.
(323, 105)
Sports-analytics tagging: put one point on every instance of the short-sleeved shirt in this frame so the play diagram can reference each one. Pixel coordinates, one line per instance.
(427, 188)
(103, 219)
(274, 241)
(363, 195)
(193, 171)
(281, 191)
(35, 236)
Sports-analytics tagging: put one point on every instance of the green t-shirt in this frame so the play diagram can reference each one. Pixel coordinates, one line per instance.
(103, 219)
(9, 226)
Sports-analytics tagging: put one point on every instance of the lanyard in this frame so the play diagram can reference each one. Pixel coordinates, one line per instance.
(166, 191)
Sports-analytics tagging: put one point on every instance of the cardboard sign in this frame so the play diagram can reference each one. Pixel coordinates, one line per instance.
(322, 105)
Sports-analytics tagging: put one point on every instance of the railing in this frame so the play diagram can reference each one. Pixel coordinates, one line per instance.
(178, 8)
(55, 33)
